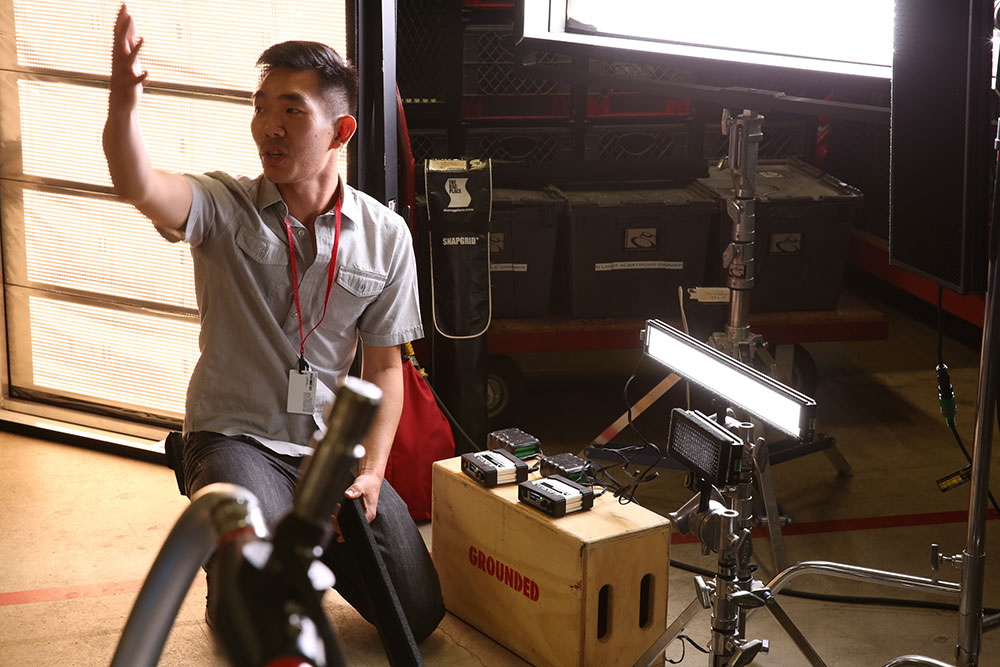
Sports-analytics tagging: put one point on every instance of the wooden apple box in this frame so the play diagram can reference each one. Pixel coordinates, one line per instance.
(589, 588)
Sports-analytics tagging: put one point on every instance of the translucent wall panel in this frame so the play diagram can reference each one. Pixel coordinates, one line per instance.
(124, 358)
(203, 43)
(78, 267)
(62, 125)
(105, 247)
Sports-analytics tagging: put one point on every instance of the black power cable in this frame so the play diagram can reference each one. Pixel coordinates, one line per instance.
(946, 393)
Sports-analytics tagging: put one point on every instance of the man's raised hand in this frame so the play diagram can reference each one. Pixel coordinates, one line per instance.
(127, 74)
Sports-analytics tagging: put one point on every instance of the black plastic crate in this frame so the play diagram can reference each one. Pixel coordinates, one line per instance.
(488, 65)
(520, 144)
(621, 100)
(522, 251)
(629, 250)
(636, 141)
(803, 229)
(858, 153)
(423, 40)
(782, 139)
(428, 145)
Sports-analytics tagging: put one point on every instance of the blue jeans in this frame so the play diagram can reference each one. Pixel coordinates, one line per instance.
(213, 457)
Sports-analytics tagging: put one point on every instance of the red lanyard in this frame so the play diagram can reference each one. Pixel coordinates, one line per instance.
(329, 281)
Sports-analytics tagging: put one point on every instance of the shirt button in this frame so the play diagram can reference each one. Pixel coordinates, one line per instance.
(300, 232)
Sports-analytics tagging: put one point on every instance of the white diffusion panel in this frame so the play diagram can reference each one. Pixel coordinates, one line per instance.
(128, 359)
(104, 247)
(100, 312)
(199, 44)
(62, 125)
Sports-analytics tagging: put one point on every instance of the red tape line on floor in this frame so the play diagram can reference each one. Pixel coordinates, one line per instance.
(73, 592)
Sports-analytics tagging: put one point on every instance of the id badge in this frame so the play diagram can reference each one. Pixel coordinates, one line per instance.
(302, 391)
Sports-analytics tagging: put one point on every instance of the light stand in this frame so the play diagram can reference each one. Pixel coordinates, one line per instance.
(724, 528)
(744, 132)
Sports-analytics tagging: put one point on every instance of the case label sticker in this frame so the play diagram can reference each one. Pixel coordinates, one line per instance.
(786, 243)
(640, 238)
(509, 267)
(640, 265)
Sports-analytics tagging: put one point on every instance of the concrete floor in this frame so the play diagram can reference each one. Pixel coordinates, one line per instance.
(81, 528)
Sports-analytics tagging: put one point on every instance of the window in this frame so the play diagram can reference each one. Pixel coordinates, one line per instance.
(100, 312)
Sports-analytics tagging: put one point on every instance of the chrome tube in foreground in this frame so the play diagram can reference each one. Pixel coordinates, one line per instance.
(215, 511)
(843, 571)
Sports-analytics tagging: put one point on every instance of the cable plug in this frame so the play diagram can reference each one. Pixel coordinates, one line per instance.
(946, 395)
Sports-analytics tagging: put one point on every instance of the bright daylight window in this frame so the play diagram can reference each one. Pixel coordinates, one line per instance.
(100, 311)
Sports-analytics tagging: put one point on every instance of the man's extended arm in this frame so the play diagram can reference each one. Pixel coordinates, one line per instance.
(382, 366)
(164, 198)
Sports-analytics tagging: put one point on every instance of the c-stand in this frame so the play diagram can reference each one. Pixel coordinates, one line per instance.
(721, 521)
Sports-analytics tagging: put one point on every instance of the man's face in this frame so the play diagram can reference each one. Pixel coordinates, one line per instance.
(295, 134)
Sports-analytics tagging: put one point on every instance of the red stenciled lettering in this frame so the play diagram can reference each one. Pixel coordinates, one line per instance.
(504, 573)
(533, 596)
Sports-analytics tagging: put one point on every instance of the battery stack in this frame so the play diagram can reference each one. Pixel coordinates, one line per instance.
(514, 440)
(555, 495)
(494, 467)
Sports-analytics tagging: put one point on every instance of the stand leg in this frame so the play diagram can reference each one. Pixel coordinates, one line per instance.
(793, 632)
(766, 484)
(641, 405)
(670, 633)
(834, 455)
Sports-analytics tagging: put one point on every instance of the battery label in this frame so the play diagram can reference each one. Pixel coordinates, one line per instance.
(560, 488)
(495, 460)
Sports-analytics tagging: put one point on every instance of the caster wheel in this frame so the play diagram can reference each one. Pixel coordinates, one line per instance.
(504, 385)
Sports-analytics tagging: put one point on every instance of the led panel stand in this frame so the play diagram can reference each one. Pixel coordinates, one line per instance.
(742, 386)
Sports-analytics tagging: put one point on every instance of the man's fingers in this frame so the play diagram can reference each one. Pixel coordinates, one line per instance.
(133, 59)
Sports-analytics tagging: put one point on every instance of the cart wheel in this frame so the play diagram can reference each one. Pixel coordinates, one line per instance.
(504, 383)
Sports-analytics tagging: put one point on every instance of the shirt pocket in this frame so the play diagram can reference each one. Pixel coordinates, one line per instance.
(261, 248)
(357, 289)
(266, 266)
(363, 284)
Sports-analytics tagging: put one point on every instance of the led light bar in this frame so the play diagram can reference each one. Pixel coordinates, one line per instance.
(744, 387)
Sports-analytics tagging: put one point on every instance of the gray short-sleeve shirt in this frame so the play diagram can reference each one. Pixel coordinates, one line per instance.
(249, 328)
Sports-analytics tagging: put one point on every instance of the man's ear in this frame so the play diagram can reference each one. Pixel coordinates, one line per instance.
(344, 129)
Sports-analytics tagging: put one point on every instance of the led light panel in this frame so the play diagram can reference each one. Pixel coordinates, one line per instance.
(107, 355)
(743, 386)
(858, 33)
(201, 44)
(105, 247)
(856, 40)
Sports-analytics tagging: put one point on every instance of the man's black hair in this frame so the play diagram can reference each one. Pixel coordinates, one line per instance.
(338, 78)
